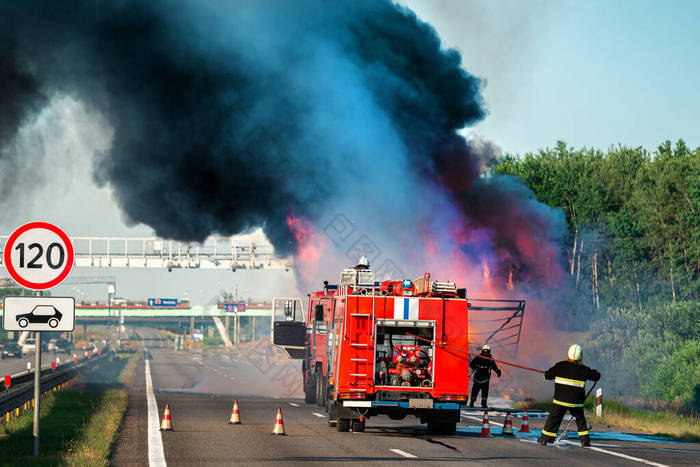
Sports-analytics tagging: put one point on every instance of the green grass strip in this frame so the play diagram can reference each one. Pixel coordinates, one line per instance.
(78, 427)
(662, 423)
(93, 445)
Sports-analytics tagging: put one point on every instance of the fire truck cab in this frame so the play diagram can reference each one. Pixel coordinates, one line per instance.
(393, 348)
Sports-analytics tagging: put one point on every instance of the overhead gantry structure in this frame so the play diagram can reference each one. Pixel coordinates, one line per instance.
(232, 253)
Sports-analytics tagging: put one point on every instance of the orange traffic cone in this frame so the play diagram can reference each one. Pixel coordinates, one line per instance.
(279, 424)
(485, 427)
(235, 416)
(507, 426)
(525, 425)
(166, 424)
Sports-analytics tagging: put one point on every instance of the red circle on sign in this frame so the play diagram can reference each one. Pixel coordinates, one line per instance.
(7, 255)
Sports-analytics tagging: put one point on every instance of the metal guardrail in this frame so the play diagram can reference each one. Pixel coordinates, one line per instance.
(19, 397)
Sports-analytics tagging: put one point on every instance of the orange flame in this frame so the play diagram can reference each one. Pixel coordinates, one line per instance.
(309, 246)
(509, 284)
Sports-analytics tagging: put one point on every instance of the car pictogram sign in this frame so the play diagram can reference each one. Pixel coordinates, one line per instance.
(38, 255)
(38, 313)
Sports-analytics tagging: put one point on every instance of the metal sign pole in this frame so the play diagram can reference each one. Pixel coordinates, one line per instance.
(37, 382)
(38, 313)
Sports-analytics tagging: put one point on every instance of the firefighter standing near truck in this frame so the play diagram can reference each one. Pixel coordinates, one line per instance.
(482, 366)
(570, 378)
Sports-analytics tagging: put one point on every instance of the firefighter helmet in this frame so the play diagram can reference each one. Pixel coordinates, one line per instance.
(363, 261)
(486, 347)
(575, 352)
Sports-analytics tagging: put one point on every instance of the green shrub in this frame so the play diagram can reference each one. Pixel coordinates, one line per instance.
(677, 376)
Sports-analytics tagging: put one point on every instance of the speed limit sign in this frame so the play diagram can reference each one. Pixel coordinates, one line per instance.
(38, 255)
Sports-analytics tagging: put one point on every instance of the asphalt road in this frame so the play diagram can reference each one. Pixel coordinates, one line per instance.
(12, 365)
(200, 389)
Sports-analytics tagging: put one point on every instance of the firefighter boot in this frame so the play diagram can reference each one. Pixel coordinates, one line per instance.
(543, 440)
(483, 403)
(585, 441)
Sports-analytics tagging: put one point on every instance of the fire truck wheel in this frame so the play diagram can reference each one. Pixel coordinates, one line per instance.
(449, 428)
(324, 393)
(309, 397)
(343, 424)
(433, 428)
(358, 426)
(330, 410)
(319, 392)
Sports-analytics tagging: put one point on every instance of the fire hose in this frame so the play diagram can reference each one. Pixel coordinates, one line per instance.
(511, 364)
(558, 438)
(479, 355)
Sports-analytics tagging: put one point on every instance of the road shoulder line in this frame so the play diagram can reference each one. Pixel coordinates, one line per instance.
(481, 419)
(618, 454)
(156, 454)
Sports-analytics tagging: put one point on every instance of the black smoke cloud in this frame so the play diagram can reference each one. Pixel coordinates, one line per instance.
(232, 115)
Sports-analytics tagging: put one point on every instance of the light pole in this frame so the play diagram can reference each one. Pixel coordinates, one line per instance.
(111, 288)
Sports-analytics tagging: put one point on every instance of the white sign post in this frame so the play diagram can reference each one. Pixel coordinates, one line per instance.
(38, 256)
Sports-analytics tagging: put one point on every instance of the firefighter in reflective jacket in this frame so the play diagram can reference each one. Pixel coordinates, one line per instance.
(569, 378)
(482, 375)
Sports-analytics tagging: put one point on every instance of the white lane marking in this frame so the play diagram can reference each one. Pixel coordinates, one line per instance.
(618, 454)
(293, 404)
(156, 455)
(481, 420)
(402, 453)
(318, 415)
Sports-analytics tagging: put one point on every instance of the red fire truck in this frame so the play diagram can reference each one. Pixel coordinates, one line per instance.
(392, 348)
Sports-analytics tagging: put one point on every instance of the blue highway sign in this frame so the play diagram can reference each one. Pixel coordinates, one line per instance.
(162, 302)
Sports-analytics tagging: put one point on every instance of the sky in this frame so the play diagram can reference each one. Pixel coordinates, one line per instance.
(591, 73)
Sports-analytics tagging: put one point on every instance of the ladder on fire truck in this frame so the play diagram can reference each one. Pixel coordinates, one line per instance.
(361, 342)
